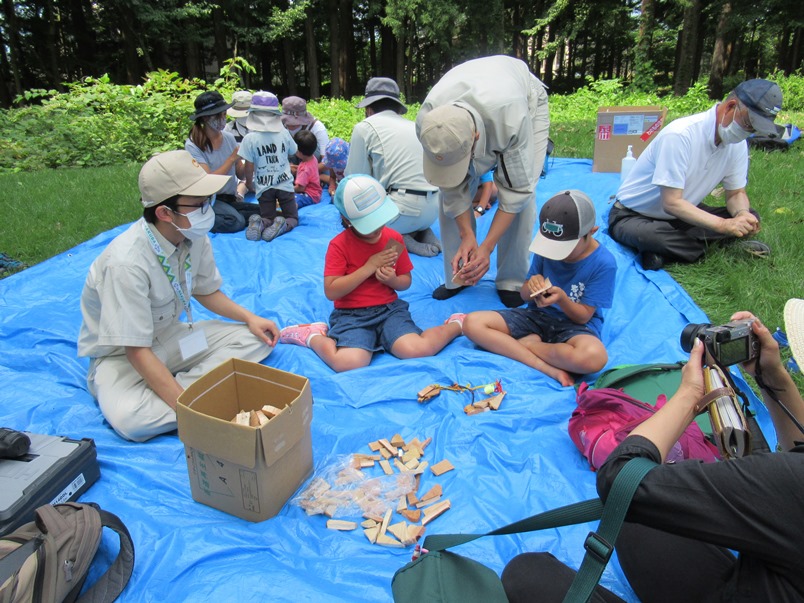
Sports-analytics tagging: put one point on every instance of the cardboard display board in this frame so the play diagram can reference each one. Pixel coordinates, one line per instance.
(618, 127)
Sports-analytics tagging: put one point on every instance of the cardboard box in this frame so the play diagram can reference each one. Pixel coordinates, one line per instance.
(617, 127)
(246, 471)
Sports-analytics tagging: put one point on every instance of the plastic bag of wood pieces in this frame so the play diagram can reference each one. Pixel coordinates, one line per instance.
(256, 418)
(350, 488)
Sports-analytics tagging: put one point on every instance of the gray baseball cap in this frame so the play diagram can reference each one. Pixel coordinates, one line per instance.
(763, 99)
(381, 87)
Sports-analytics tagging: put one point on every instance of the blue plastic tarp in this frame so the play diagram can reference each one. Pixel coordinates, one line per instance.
(509, 464)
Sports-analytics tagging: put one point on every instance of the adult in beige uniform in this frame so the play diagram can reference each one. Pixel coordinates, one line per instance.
(485, 112)
(385, 146)
(142, 355)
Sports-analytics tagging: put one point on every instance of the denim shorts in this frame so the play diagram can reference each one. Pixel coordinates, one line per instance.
(529, 321)
(374, 328)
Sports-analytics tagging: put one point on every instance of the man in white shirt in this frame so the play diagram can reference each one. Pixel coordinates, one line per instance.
(485, 112)
(142, 355)
(659, 209)
(385, 146)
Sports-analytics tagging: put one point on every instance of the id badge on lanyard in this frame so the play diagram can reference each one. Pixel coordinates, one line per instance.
(196, 341)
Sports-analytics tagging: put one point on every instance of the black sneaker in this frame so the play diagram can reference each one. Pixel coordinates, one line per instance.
(441, 293)
(651, 261)
(510, 299)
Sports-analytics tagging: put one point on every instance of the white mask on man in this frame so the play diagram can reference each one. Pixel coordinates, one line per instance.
(733, 133)
(200, 223)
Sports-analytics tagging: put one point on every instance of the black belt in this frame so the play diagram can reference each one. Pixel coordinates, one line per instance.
(409, 191)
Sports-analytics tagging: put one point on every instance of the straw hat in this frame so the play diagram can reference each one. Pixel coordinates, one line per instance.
(794, 328)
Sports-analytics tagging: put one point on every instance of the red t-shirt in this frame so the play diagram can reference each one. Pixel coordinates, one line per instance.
(347, 253)
(307, 176)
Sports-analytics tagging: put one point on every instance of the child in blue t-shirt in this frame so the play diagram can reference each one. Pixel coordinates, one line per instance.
(570, 280)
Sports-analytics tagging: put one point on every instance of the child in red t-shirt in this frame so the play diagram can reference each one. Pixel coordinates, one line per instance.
(365, 266)
(307, 184)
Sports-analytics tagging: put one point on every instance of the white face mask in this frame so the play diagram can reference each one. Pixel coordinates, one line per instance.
(200, 223)
(733, 133)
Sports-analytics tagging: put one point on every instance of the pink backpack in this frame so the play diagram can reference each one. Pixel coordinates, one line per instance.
(605, 416)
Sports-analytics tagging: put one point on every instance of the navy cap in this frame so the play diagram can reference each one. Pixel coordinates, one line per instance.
(763, 99)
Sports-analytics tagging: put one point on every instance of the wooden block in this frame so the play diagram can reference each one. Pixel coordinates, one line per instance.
(413, 442)
(374, 446)
(253, 419)
(442, 467)
(386, 467)
(412, 464)
(368, 523)
(547, 285)
(433, 492)
(436, 510)
(495, 401)
(242, 418)
(385, 454)
(384, 540)
(377, 518)
(385, 521)
(426, 443)
(420, 469)
(410, 455)
(262, 417)
(365, 463)
(401, 506)
(271, 411)
(395, 245)
(400, 530)
(330, 510)
(387, 445)
(413, 534)
(372, 533)
(425, 503)
(340, 524)
(428, 393)
(470, 410)
(481, 403)
(398, 464)
(412, 499)
(411, 516)
(397, 440)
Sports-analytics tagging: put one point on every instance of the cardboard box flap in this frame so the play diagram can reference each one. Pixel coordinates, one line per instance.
(282, 432)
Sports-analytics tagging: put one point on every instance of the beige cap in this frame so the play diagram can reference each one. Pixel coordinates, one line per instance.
(447, 135)
(176, 173)
(241, 101)
(794, 328)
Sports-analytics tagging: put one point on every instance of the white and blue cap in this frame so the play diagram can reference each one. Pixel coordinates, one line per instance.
(363, 201)
(563, 221)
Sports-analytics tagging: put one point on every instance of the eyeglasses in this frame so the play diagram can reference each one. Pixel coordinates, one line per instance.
(745, 121)
(205, 205)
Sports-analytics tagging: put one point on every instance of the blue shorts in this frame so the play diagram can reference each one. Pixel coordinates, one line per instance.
(374, 328)
(530, 321)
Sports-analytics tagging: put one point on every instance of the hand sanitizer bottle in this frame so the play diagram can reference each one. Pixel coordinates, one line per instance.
(628, 162)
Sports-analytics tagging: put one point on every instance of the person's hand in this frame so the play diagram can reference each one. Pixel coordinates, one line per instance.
(385, 273)
(461, 258)
(553, 295)
(386, 257)
(744, 223)
(477, 266)
(264, 329)
(293, 168)
(769, 357)
(692, 382)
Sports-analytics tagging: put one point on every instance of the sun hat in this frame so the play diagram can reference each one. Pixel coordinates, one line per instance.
(209, 103)
(294, 112)
(264, 113)
(176, 173)
(447, 135)
(564, 219)
(363, 201)
(381, 87)
(763, 99)
(241, 101)
(336, 154)
(794, 328)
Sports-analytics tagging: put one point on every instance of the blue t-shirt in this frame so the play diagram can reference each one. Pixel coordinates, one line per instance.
(589, 281)
(269, 151)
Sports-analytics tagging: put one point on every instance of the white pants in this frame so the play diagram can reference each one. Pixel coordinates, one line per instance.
(133, 409)
(416, 212)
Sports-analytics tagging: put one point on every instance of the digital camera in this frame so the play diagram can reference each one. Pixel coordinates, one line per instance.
(727, 344)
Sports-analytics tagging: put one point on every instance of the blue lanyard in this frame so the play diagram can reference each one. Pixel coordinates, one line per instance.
(174, 282)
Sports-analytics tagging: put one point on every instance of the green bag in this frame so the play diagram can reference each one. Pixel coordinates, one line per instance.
(439, 576)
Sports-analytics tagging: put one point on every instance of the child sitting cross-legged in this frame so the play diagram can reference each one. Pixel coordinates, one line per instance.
(365, 266)
(558, 332)
(307, 184)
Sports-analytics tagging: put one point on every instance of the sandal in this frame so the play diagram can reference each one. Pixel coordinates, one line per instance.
(755, 248)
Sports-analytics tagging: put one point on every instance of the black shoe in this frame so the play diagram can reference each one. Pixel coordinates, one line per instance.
(651, 261)
(441, 293)
(510, 299)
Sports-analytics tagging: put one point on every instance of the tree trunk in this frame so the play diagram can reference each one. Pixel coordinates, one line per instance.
(643, 67)
(14, 50)
(335, 51)
(687, 43)
(219, 30)
(313, 74)
(348, 62)
(388, 45)
(289, 68)
(81, 28)
(720, 53)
